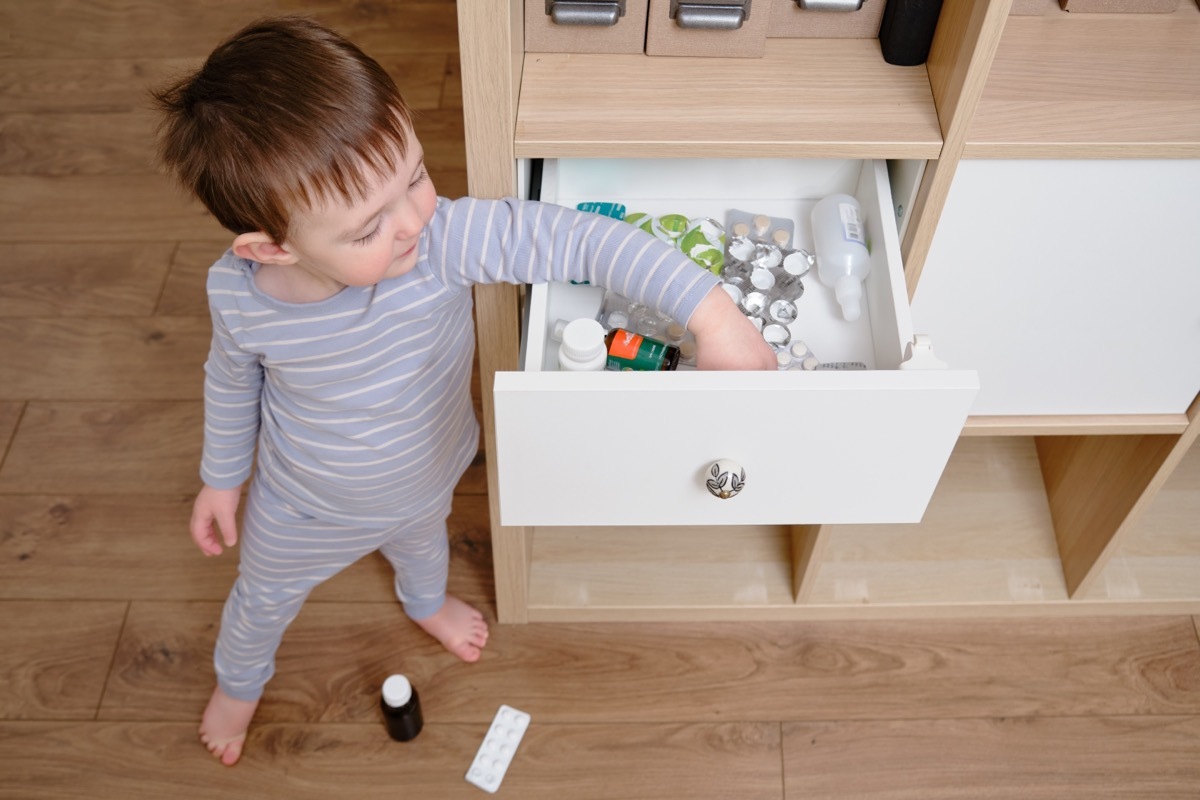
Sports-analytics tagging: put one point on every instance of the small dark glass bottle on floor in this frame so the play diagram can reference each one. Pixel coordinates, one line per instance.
(401, 709)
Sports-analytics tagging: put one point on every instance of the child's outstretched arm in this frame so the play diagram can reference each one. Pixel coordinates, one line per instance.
(725, 339)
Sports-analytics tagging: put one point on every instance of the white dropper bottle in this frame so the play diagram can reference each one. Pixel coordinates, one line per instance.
(840, 239)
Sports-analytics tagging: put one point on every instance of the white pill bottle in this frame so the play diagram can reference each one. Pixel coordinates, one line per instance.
(840, 239)
(582, 348)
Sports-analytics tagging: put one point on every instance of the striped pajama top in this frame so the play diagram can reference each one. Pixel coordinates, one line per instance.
(360, 404)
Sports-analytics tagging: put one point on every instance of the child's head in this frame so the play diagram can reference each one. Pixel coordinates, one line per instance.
(284, 116)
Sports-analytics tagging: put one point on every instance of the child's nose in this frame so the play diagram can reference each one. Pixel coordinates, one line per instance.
(408, 223)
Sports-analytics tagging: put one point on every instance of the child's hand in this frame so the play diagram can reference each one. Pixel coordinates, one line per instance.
(725, 339)
(215, 506)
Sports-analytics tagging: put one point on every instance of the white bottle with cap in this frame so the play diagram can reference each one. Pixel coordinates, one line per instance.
(582, 348)
(841, 244)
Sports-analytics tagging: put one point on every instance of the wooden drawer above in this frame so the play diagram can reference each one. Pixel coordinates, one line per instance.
(817, 447)
(567, 27)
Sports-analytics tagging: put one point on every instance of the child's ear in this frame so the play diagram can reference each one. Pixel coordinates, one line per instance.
(258, 246)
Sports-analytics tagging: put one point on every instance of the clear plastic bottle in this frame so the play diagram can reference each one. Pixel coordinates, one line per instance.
(401, 709)
(582, 348)
(841, 244)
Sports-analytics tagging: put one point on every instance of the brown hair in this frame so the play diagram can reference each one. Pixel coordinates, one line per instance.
(282, 116)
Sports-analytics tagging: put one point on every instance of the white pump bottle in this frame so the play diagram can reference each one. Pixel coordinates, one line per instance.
(840, 239)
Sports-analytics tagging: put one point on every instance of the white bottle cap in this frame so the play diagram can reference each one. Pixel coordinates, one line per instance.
(848, 291)
(583, 339)
(397, 691)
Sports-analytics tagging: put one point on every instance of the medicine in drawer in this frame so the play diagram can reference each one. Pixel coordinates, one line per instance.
(761, 270)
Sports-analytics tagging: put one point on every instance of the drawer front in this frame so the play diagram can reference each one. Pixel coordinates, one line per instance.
(788, 20)
(635, 448)
(545, 35)
(665, 36)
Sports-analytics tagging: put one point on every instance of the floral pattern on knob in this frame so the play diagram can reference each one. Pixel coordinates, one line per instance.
(725, 478)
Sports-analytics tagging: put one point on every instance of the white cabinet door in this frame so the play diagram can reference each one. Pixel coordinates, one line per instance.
(1073, 287)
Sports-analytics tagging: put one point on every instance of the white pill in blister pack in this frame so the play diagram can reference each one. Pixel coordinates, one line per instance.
(498, 748)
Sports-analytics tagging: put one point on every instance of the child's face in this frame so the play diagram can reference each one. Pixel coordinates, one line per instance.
(361, 243)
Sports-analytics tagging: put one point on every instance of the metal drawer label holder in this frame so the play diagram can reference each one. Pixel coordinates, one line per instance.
(600, 13)
(712, 15)
(830, 5)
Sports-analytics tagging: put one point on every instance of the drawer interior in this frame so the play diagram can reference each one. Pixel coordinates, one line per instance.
(709, 188)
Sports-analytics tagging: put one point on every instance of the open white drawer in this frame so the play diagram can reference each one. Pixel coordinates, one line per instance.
(607, 448)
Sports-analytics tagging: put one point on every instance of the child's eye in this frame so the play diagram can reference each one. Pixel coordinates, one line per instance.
(421, 176)
(367, 239)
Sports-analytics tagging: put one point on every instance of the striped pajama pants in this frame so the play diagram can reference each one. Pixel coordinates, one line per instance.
(285, 554)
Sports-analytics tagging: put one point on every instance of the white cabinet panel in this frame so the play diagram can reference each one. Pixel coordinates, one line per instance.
(1073, 287)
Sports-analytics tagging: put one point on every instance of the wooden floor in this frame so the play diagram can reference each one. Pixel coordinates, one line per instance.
(108, 614)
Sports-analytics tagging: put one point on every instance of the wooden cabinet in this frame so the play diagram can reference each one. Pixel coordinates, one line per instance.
(1046, 513)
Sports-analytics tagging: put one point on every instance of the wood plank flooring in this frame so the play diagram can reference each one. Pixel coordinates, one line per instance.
(108, 614)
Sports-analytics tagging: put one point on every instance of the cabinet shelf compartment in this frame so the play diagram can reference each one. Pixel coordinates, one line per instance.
(660, 573)
(815, 98)
(1092, 86)
(986, 541)
(1159, 561)
(818, 447)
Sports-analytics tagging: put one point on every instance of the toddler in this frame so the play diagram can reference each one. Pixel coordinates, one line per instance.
(340, 366)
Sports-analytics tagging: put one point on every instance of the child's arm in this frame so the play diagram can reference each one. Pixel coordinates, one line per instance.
(232, 397)
(725, 339)
(517, 241)
(482, 241)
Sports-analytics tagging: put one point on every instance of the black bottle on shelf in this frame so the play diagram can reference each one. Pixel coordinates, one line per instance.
(906, 30)
(401, 709)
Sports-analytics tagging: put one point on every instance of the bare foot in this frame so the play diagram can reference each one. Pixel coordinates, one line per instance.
(223, 727)
(459, 628)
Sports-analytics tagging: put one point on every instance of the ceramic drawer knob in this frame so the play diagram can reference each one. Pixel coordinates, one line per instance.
(725, 478)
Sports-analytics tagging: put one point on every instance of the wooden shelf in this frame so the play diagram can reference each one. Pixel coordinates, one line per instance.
(806, 98)
(1080, 425)
(1093, 86)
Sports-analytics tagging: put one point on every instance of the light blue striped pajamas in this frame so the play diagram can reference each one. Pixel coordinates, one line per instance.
(358, 407)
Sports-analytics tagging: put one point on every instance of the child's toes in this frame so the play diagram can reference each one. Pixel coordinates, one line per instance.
(227, 751)
(233, 752)
(468, 652)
